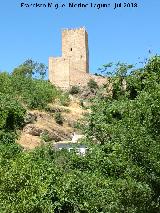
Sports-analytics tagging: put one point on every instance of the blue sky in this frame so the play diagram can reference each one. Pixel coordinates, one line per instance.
(123, 34)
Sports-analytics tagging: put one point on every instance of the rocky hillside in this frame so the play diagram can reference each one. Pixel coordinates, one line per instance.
(41, 126)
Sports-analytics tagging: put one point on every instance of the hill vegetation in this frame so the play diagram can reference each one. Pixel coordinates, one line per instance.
(121, 171)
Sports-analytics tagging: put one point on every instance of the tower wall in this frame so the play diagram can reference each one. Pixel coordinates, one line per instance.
(75, 47)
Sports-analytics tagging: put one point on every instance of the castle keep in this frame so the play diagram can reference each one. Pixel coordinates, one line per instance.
(72, 68)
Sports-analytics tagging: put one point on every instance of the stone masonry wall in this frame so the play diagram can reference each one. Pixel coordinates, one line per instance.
(81, 79)
(73, 67)
(75, 47)
(59, 71)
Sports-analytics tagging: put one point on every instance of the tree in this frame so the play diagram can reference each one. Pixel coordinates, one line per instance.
(119, 173)
(31, 68)
(128, 130)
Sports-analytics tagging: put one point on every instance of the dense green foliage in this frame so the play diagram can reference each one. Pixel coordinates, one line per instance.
(11, 113)
(19, 91)
(11, 118)
(128, 128)
(32, 92)
(45, 181)
(119, 174)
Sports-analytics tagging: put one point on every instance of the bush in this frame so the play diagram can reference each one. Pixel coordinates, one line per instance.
(32, 92)
(92, 84)
(11, 113)
(58, 118)
(35, 93)
(74, 90)
(7, 137)
(8, 151)
(6, 86)
(45, 137)
(81, 103)
(64, 99)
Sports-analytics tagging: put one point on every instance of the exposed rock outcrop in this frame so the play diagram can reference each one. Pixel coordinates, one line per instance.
(41, 127)
(54, 134)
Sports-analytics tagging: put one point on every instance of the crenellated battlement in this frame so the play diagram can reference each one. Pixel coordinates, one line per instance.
(70, 30)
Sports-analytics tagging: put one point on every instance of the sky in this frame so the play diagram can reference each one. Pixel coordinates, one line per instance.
(123, 34)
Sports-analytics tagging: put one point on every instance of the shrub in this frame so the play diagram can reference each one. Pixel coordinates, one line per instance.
(35, 93)
(7, 137)
(32, 92)
(64, 99)
(43, 93)
(6, 86)
(74, 90)
(81, 103)
(45, 137)
(92, 84)
(8, 151)
(11, 113)
(58, 118)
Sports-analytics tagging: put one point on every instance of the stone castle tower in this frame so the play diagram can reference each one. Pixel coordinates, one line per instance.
(72, 68)
(75, 48)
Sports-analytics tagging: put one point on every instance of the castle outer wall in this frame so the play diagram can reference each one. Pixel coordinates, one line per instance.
(59, 70)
